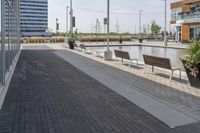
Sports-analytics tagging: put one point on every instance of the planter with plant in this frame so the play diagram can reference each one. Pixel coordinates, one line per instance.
(71, 42)
(191, 62)
(140, 40)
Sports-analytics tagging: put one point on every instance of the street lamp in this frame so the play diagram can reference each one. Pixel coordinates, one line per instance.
(67, 19)
(140, 21)
(66, 24)
(108, 53)
(57, 25)
(71, 18)
(165, 29)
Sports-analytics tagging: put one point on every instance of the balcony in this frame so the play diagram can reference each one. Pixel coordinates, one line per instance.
(188, 17)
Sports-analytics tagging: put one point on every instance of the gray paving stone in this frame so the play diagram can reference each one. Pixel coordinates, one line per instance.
(49, 95)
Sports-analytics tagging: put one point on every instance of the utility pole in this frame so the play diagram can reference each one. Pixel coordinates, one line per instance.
(108, 24)
(71, 18)
(91, 27)
(117, 26)
(97, 29)
(108, 53)
(57, 25)
(66, 24)
(135, 29)
(165, 32)
(67, 19)
(140, 21)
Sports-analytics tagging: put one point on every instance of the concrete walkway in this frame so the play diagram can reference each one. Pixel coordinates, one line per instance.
(49, 95)
(174, 103)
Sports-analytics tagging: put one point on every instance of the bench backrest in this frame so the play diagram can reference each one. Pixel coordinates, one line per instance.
(157, 61)
(82, 46)
(122, 54)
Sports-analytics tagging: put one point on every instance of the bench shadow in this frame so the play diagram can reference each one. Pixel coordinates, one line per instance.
(134, 66)
(173, 78)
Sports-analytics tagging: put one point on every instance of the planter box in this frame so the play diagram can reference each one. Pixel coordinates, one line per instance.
(71, 45)
(194, 81)
(140, 40)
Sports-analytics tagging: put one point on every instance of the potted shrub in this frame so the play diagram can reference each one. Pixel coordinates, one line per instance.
(71, 42)
(140, 40)
(191, 62)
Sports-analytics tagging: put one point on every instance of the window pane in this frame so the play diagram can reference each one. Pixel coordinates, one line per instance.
(0, 50)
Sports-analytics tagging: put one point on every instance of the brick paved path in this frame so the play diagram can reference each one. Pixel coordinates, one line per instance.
(49, 95)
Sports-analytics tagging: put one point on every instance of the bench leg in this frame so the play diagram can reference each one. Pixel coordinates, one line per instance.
(130, 64)
(152, 68)
(137, 62)
(171, 75)
(180, 74)
(144, 68)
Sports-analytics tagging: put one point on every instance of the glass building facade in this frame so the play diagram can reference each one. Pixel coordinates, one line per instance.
(185, 16)
(33, 17)
(10, 38)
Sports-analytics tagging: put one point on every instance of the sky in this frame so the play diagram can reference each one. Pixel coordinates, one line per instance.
(126, 12)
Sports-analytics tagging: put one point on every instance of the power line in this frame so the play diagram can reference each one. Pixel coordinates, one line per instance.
(117, 12)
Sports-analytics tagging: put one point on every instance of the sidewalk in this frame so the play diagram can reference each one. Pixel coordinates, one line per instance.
(48, 94)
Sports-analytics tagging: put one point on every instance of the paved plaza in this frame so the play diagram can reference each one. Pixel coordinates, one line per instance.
(55, 90)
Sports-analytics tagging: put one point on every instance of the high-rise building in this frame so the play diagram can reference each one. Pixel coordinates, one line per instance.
(33, 17)
(185, 16)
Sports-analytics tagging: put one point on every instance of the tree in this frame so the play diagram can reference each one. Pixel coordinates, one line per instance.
(155, 28)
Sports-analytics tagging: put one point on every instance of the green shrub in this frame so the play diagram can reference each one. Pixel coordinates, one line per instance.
(191, 57)
(71, 40)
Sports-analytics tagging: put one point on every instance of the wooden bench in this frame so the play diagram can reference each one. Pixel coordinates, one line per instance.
(86, 49)
(124, 55)
(82, 46)
(76, 46)
(160, 62)
(98, 51)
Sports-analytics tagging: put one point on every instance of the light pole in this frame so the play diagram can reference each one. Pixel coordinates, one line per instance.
(140, 21)
(67, 19)
(66, 24)
(165, 29)
(57, 25)
(71, 18)
(108, 53)
(108, 23)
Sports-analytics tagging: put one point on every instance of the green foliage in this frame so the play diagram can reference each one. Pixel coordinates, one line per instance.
(192, 55)
(155, 28)
(103, 38)
(71, 40)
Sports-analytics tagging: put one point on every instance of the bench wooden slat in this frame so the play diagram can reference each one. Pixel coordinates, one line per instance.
(122, 54)
(157, 61)
(82, 46)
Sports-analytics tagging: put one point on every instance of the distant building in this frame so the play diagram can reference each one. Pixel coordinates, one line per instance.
(33, 17)
(185, 16)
